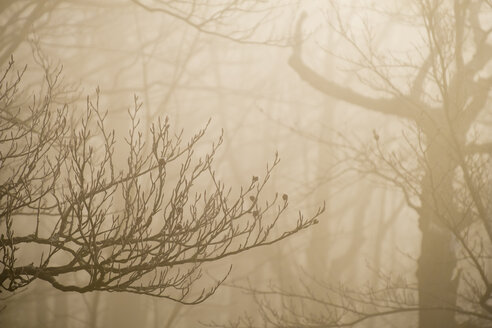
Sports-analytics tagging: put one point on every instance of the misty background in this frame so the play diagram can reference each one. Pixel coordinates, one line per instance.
(228, 61)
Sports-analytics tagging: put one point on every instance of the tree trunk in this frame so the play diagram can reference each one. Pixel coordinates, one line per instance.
(125, 311)
(436, 288)
(42, 299)
(61, 310)
(437, 260)
(93, 310)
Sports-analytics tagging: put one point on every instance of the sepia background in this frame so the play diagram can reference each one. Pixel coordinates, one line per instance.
(380, 110)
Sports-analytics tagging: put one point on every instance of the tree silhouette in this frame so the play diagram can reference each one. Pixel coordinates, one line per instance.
(59, 189)
(441, 166)
(447, 94)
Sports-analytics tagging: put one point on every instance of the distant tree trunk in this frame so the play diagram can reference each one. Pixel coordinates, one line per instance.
(435, 268)
(94, 310)
(317, 255)
(42, 308)
(437, 260)
(61, 310)
(344, 262)
(386, 222)
(125, 311)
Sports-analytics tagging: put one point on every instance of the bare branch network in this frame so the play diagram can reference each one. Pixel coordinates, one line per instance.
(439, 87)
(73, 216)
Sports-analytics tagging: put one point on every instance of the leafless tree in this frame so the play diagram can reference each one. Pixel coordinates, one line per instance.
(59, 183)
(441, 164)
(20, 19)
(221, 19)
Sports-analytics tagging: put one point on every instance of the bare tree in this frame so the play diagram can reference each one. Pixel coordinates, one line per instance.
(441, 165)
(18, 18)
(21, 19)
(443, 102)
(221, 19)
(59, 224)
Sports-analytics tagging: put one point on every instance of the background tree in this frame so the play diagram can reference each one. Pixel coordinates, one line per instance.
(441, 163)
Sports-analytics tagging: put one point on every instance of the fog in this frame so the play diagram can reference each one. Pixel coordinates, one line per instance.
(273, 163)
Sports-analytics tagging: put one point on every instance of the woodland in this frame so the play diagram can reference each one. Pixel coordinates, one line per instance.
(246, 163)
